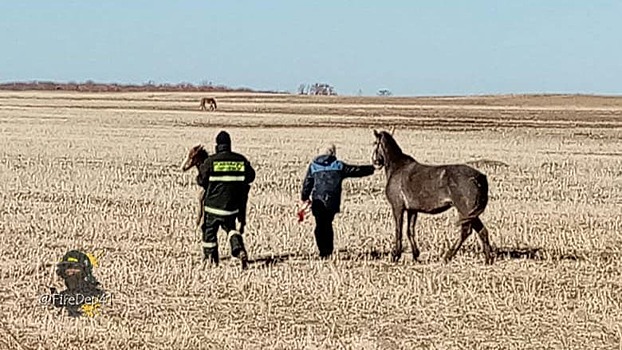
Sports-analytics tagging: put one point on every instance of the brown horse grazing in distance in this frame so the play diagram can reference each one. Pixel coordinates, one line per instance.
(206, 100)
(413, 187)
(196, 157)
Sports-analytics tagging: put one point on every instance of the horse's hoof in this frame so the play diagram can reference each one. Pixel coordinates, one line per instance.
(416, 256)
(395, 257)
(446, 259)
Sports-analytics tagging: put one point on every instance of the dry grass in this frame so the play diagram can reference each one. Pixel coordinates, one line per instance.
(101, 171)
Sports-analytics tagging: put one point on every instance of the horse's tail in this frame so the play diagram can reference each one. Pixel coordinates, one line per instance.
(481, 181)
(481, 198)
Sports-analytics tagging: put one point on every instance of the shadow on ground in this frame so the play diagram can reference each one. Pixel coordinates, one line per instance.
(501, 253)
(534, 253)
(269, 260)
(342, 254)
(345, 254)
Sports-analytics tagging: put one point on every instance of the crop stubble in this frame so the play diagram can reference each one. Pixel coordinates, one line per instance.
(101, 171)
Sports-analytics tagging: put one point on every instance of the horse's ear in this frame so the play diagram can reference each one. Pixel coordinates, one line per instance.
(376, 133)
(392, 130)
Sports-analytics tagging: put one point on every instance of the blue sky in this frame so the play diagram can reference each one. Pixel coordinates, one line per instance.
(409, 47)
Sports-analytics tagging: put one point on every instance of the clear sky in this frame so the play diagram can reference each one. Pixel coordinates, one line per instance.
(411, 47)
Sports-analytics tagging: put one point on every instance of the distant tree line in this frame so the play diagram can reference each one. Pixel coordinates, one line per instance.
(150, 86)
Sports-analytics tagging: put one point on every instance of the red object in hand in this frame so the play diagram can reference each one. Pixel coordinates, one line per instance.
(301, 212)
(301, 215)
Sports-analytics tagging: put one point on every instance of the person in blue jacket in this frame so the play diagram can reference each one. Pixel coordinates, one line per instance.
(321, 188)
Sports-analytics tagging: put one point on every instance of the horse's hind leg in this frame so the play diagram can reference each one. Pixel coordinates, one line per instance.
(483, 236)
(396, 254)
(465, 231)
(410, 232)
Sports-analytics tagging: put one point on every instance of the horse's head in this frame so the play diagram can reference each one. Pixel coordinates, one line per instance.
(196, 156)
(379, 155)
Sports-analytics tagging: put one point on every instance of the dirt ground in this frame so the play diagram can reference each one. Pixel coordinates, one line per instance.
(101, 172)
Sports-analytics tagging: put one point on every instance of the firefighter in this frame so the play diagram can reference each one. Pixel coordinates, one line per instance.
(82, 288)
(226, 177)
(321, 189)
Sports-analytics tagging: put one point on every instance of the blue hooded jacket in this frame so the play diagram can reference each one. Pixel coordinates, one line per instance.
(324, 178)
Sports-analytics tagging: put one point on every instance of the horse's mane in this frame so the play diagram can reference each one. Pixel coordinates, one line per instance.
(201, 152)
(391, 144)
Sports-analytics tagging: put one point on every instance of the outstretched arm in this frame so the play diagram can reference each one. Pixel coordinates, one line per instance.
(307, 186)
(357, 170)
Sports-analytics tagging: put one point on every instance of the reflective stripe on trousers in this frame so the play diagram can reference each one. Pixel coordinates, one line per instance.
(233, 233)
(222, 212)
(210, 244)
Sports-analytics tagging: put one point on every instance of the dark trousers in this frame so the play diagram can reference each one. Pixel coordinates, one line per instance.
(211, 224)
(324, 234)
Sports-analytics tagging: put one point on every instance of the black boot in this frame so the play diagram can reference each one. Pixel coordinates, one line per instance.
(238, 250)
(243, 259)
(211, 255)
(240, 253)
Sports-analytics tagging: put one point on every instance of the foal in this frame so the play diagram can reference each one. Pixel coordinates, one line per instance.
(195, 158)
(413, 187)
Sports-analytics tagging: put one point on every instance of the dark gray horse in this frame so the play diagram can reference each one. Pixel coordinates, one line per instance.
(413, 187)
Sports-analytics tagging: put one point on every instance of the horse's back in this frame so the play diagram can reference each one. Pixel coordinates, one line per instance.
(420, 187)
(428, 187)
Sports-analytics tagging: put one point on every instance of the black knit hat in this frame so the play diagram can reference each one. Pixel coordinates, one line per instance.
(223, 138)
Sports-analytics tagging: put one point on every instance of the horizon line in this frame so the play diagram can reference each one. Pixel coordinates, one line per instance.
(244, 89)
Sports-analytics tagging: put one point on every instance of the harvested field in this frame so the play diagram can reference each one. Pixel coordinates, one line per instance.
(100, 171)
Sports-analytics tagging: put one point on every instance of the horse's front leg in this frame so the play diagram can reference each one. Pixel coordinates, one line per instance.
(199, 216)
(396, 254)
(410, 233)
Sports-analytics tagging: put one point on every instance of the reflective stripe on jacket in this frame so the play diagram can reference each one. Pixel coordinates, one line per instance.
(225, 176)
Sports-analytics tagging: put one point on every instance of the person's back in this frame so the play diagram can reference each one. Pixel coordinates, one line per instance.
(322, 187)
(226, 177)
(326, 172)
